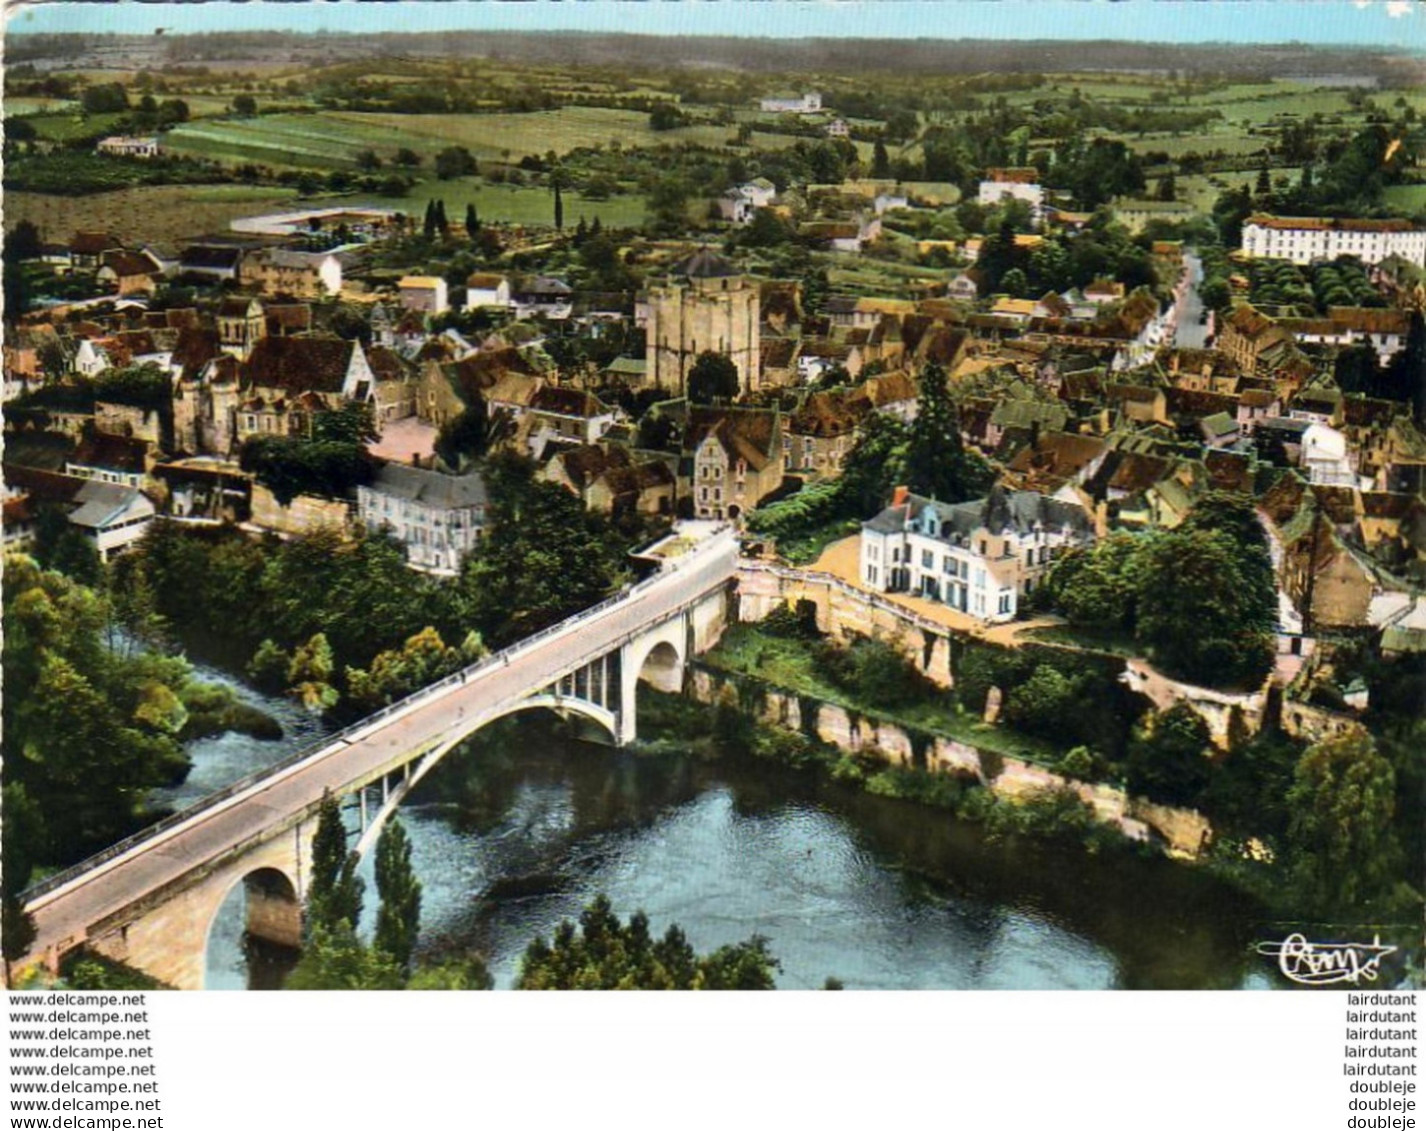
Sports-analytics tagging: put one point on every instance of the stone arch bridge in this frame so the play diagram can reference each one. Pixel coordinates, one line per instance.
(151, 900)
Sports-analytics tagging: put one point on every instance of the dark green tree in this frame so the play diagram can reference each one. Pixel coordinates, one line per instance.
(1169, 759)
(936, 461)
(398, 918)
(334, 892)
(712, 378)
(880, 160)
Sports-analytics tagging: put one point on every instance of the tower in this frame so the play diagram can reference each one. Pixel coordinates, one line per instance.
(704, 304)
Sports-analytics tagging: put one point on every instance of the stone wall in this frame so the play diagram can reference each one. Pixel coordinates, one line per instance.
(305, 514)
(1183, 832)
(844, 611)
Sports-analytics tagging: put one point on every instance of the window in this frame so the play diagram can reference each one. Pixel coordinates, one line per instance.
(928, 560)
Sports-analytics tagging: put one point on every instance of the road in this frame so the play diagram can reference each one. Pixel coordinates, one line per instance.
(70, 910)
(1191, 333)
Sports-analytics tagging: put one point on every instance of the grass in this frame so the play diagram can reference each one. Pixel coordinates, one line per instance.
(792, 666)
(73, 127)
(1406, 198)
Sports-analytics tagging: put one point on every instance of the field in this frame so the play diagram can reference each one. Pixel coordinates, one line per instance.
(163, 213)
(1412, 198)
(508, 204)
(72, 127)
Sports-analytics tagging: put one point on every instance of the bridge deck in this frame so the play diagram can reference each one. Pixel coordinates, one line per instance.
(63, 916)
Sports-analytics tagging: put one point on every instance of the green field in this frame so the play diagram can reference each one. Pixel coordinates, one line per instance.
(20, 107)
(1407, 198)
(72, 127)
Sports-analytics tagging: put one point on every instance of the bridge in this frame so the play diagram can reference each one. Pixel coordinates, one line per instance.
(151, 899)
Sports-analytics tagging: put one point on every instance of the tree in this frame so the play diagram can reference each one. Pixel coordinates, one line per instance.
(334, 892)
(245, 106)
(268, 667)
(407, 158)
(712, 378)
(398, 919)
(604, 953)
(1168, 188)
(454, 161)
(367, 161)
(665, 116)
(309, 675)
(1014, 283)
(880, 160)
(333, 958)
(1168, 760)
(472, 221)
(1342, 802)
(1097, 587)
(559, 209)
(936, 461)
(468, 973)
(1203, 610)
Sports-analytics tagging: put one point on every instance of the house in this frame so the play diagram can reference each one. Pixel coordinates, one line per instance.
(738, 204)
(842, 235)
(1326, 457)
(110, 459)
(1219, 429)
(980, 557)
(285, 382)
(425, 294)
(484, 289)
(1014, 184)
(610, 480)
(543, 295)
(437, 518)
(837, 127)
(570, 414)
(130, 272)
(962, 287)
(731, 459)
(1305, 239)
(144, 147)
(300, 274)
(818, 436)
(87, 249)
(211, 262)
(809, 103)
(112, 516)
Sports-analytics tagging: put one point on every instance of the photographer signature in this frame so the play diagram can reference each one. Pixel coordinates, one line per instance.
(1323, 964)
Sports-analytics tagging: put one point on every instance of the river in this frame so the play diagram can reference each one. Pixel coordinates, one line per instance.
(514, 833)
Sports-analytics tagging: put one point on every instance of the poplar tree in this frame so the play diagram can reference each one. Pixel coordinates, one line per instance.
(335, 892)
(398, 919)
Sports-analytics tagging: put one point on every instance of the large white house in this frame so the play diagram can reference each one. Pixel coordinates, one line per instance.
(438, 518)
(980, 557)
(1303, 239)
(1016, 184)
(809, 103)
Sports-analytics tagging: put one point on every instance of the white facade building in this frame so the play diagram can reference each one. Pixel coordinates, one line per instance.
(437, 517)
(809, 103)
(1014, 184)
(980, 557)
(1304, 239)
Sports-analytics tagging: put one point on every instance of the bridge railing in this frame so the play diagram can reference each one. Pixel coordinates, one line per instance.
(312, 749)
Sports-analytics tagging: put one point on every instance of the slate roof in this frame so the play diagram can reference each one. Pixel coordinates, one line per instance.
(752, 435)
(1000, 511)
(431, 488)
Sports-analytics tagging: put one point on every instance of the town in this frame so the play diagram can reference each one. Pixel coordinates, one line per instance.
(1074, 417)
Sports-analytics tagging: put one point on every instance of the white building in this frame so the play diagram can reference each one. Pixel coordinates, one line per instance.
(1304, 239)
(484, 289)
(129, 146)
(438, 518)
(1014, 184)
(979, 557)
(1327, 457)
(809, 103)
(738, 204)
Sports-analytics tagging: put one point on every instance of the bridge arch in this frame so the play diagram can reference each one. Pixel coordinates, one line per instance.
(549, 701)
(271, 912)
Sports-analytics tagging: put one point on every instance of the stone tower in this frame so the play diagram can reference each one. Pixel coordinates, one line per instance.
(703, 305)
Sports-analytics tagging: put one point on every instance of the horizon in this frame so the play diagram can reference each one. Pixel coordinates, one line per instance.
(1395, 25)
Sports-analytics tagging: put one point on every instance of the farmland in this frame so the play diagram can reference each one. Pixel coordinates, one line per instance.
(164, 213)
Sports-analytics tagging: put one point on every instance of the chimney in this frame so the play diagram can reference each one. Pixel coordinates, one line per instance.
(898, 496)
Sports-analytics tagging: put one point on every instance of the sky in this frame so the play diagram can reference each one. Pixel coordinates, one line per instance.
(1392, 23)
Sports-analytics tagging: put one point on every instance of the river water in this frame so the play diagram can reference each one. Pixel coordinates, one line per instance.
(521, 829)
